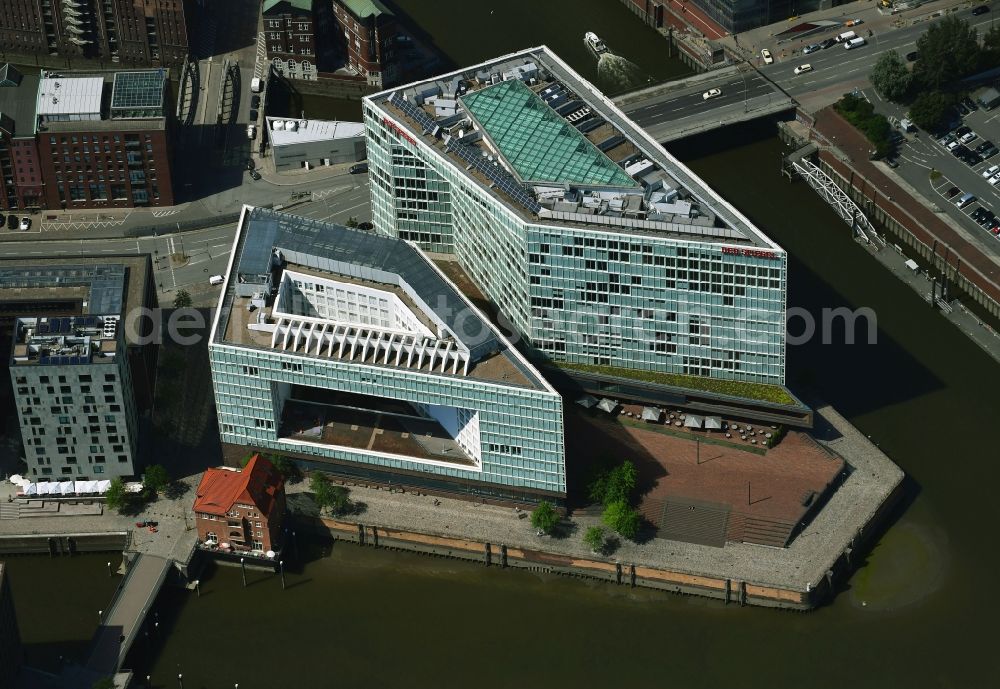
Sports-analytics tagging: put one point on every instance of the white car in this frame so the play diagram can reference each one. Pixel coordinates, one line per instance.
(711, 93)
(990, 171)
(25, 223)
(971, 136)
(766, 54)
(802, 69)
(953, 145)
(995, 179)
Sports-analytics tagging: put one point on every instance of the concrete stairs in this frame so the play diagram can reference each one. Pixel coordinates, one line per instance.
(693, 521)
(760, 530)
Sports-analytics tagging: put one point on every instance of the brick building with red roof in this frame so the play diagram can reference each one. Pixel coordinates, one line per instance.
(241, 510)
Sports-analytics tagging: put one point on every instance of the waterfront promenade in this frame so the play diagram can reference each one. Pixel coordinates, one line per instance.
(780, 575)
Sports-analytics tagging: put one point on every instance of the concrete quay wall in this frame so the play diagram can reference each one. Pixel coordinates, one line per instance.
(64, 543)
(623, 574)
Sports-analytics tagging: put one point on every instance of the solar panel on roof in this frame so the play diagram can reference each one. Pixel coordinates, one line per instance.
(138, 89)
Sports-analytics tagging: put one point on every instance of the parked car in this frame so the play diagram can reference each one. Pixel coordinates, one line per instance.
(366, 226)
(962, 130)
(946, 139)
(358, 168)
(989, 152)
(11, 222)
(25, 223)
(968, 138)
(711, 93)
(254, 101)
(911, 56)
(965, 199)
(990, 171)
(961, 108)
(250, 164)
(969, 103)
(802, 69)
(995, 179)
(766, 54)
(982, 9)
(891, 162)
(253, 115)
(811, 48)
(254, 175)
(952, 191)
(952, 145)
(828, 43)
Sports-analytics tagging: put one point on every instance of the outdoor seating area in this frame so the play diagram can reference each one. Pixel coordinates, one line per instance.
(735, 430)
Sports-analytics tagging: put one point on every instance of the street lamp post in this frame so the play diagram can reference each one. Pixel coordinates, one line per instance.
(180, 680)
(281, 569)
(243, 568)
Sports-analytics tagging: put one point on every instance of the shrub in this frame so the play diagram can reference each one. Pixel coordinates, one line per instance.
(545, 518)
(622, 519)
(594, 538)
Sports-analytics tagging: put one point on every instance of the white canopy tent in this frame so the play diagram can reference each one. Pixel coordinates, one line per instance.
(607, 405)
(67, 487)
(713, 423)
(587, 401)
(651, 414)
(693, 421)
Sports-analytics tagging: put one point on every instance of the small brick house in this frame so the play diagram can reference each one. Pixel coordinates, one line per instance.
(241, 510)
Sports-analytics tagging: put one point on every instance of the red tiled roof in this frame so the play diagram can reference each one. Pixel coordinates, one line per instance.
(258, 483)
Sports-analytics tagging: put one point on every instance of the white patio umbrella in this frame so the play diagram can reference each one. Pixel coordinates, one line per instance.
(587, 401)
(651, 414)
(713, 423)
(607, 405)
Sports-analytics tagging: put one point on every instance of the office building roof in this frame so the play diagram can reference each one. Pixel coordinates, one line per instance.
(18, 100)
(551, 148)
(540, 144)
(366, 8)
(308, 131)
(302, 5)
(134, 90)
(338, 253)
(70, 96)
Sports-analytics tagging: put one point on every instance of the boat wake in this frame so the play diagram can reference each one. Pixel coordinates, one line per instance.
(617, 70)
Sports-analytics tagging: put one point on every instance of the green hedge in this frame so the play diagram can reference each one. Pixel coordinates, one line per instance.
(860, 113)
(734, 388)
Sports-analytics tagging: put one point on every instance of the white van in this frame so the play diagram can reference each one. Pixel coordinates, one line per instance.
(251, 131)
(256, 85)
(854, 43)
(846, 36)
(216, 280)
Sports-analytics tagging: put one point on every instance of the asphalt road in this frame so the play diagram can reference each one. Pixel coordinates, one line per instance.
(831, 67)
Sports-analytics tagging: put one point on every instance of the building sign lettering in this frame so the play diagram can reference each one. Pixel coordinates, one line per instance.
(757, 253)
(399, 130)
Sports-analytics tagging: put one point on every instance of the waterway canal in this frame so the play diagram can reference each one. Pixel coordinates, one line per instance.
(57, 601)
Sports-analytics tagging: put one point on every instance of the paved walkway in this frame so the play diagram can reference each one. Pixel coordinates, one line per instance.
(121, 624)
(801, 566)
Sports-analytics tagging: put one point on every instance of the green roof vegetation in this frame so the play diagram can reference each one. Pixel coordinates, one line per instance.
(366, 8)
(733, 388)
(304, 5)
(537, 142)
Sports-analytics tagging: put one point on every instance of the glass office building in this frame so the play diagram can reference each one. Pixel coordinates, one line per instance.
(600, 247)
(353, 352)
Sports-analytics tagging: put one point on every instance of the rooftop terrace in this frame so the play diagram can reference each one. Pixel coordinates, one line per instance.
(65, 341)
(556, 151)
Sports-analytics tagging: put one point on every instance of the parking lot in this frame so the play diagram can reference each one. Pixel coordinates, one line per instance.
(950, 167)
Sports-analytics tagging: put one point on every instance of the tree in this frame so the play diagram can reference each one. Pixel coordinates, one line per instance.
(116, 497)
(155, 479)
(182, 299)
(328, 496)
(889, 76)
(930, 110)
(288, 469)
(946, 52)
(615, 484)
(621, 518)
(545, 518)
(352, 221)
(594, 538)
(990, 56)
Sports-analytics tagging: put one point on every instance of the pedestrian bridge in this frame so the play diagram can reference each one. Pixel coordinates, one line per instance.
(120, 625)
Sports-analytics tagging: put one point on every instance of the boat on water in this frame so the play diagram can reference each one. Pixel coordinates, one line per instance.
(595, 43)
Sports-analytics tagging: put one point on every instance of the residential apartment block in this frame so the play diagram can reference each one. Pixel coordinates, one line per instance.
(73, 388)
(79, 378)
(242, 510)
(353, 353)
(290, 37)
(147, 33)
(20, 168)
(104, 140)
(369, 34)
(604, 251)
